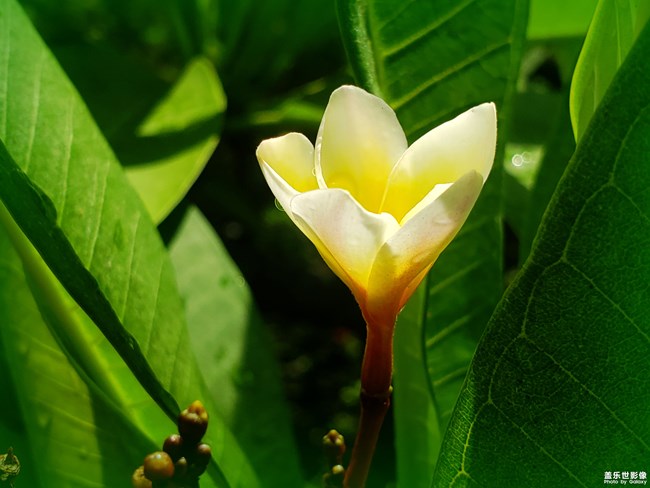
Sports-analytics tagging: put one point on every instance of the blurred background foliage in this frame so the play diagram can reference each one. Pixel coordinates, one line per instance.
(276, 62)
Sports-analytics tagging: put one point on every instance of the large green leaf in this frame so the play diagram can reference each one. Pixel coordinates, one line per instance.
(418, 428)
(73, 434)
(235, 351)
(559, 390)
(13, 432)
(430, 61)
(83, 342)
(62, 185)
(615, 26)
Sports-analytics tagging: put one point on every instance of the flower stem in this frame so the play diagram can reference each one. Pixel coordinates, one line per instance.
(376, 375)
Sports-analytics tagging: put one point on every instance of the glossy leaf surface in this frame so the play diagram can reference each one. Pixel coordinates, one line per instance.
(558, 389)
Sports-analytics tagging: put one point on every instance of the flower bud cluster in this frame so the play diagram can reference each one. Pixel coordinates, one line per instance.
(334, 449)
(183, 457)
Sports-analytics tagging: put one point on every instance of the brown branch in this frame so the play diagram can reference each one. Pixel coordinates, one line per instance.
(376, 376)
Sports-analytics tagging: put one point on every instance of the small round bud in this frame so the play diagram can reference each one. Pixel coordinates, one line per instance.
(202, 454)
(197, 407)
(334, 477)
(333, 447)
(193, 423)
(158, 466)
(180, 468)
(138, 479)
(173, 446)
(199, 460)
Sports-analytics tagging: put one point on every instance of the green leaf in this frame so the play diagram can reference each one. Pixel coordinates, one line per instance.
(73, 435)
(236, 352)
(195, 23)
(424, 76)
(431, 61)
(63, 187)
(559, 389)
(416, 417)
(118, 91)
(175, 141)
(285, 34)
(558, 18)
(353, 22)
(615, 26)
(68, 164)
(83, 342)
(163, 134)
(13, 432)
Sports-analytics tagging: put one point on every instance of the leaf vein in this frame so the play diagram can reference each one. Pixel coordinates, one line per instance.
(95, 235)
(590, 392)
(3, 96)
(466, 63)
(607, 297)
(539, 446)
(66, 161)
(149, 332)
(35, 112)
(453, 375)
(427, 30)
(441, 285)
(448, 330)
(396, 14)
(130, 273)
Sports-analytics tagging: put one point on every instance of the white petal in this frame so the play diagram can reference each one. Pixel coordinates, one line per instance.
(443, 155)
(411, 251)
(359, 141)
(292, 158)
(346, 235)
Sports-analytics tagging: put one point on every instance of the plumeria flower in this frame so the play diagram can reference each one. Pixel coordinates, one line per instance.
(378, 211)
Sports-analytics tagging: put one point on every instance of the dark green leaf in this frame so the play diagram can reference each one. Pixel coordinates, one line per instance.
(417, 418)
(558, 391)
